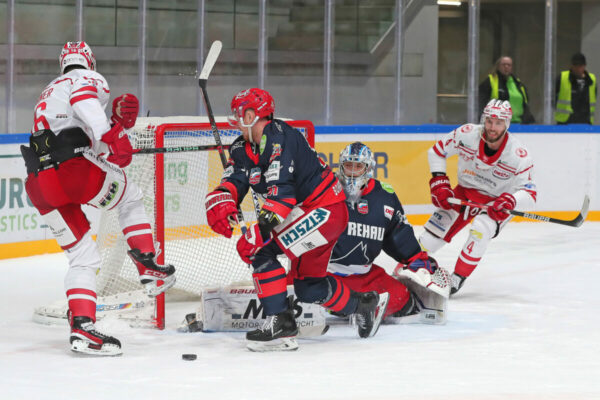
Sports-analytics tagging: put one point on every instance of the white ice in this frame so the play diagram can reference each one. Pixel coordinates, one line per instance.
(525, 326)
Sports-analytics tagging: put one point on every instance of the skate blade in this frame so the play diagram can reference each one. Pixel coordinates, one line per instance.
(153, 290)
(281, 344)
(107, 350)
(381, 309)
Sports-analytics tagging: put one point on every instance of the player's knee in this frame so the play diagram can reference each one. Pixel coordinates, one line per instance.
(312, 290)
(430, 243)
(483, 228)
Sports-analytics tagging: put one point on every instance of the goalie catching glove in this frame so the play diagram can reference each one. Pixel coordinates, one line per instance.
(424, 271)
(125, 109)
(221, 212)
(118, 145)
(250, 243)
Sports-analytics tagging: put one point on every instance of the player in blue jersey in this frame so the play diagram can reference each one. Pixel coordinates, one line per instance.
(302, 216)
(377, 223)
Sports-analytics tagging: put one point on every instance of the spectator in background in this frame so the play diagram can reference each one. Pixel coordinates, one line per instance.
(502, 84)
(576, 93)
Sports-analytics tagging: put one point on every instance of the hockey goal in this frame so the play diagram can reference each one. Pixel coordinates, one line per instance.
(174, 186)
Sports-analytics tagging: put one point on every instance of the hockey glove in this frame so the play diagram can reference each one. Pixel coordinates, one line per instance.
(441, 191)
(250, 243)
(503, 203)
(125, 110)
(221, 212)
(119, 146)
(422, 261)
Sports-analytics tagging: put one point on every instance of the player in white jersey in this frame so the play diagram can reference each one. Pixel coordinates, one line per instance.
(66, 169)
(494, 168)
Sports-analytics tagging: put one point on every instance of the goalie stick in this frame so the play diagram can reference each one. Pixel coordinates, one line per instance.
(576, 222)
(211, 58)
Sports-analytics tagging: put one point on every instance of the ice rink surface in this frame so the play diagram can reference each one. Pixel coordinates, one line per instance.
(526, 325)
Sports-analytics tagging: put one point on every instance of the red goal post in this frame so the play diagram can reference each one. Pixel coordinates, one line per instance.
(174, 186)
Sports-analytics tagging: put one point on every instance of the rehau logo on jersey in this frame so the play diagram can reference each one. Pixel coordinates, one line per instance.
(308, 224)
(365, 231)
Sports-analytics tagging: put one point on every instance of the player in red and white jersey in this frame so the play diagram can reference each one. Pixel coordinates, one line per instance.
(494, 168)
(65, 170)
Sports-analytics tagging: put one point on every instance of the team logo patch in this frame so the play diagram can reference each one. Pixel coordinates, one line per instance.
(388, 212)
(521, 152)
(305, 226)
(272, 191)
(276, 152)
(387, 187)
(254, 176)
(363, 207)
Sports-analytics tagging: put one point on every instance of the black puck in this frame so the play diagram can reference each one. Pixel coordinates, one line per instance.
(188, 357)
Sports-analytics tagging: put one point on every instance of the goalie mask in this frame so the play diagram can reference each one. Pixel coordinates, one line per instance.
(77, 53)
(256, 99)
(356, 168)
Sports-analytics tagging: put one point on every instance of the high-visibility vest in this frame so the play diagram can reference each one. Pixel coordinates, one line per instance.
(494, 94)
(563, 103)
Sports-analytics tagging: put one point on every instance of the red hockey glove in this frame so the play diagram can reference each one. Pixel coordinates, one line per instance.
(441, 191)
(119, 146)
(503, 203)
(250, 243)
(422, 261)
(125, 110)
(221, 212)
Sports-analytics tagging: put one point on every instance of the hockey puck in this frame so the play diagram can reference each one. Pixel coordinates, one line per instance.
(188, 357)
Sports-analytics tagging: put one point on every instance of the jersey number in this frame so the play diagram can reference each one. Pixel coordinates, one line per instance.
(40, 119)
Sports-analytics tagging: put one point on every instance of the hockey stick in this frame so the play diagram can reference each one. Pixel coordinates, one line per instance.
(211, 58)
(178, 149)
(576, 222)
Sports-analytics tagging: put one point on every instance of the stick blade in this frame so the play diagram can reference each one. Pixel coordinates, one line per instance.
(584, 211)
(211, 59)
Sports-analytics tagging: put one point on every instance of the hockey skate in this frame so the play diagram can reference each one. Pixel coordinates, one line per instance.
(151, 273)
(457, 282)
(369, 313)
(87, 340)
(278, 333)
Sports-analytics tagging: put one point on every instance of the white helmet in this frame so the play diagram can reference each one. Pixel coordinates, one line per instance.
(498, 109)
(77, 53)
(356, 152)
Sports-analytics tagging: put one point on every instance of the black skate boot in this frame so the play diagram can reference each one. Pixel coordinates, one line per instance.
(151, 273)
(457, 282)
(86, 339)
(370, 311)
(278, 333)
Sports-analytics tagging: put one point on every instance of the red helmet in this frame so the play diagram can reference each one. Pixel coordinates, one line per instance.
(77, 53)
(257, 99)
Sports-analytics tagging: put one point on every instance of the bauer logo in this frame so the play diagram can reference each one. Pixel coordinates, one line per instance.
(308, 224)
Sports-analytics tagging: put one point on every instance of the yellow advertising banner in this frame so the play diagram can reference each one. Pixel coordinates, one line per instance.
(402, 164)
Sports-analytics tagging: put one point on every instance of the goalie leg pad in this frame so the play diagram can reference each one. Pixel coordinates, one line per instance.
(438, 282)
(432, 306)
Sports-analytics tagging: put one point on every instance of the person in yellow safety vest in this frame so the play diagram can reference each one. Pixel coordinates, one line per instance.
(576, 94)
(502, 84)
